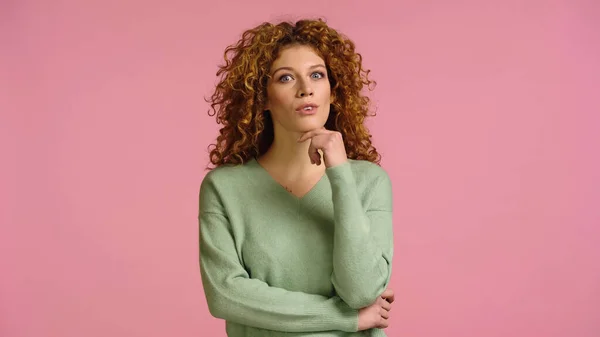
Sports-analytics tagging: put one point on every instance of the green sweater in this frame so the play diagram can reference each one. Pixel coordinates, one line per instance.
(274, 264)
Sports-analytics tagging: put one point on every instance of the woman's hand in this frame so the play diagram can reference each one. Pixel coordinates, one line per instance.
(376, 315)
(329, 142)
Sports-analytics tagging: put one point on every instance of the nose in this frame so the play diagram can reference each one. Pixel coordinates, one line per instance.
(305, 90)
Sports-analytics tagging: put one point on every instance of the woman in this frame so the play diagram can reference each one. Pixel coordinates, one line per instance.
(296, 218)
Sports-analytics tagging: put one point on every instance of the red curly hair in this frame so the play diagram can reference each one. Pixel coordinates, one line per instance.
(239, 98)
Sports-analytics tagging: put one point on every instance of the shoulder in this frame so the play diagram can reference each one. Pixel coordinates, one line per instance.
(369, 172)
(375, 184)
(227, 175)
(222, 183)
(222, 173)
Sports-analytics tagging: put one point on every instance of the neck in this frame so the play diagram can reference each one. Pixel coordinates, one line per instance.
(287, 155)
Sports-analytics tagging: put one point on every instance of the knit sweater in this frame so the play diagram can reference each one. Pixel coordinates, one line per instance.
(274, 264)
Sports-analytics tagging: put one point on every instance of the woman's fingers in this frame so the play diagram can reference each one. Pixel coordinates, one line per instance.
(312, 133)
(325, 147)
(384, 308)
(386, 305)
(388, 295)
(314, 154)
(384, 313)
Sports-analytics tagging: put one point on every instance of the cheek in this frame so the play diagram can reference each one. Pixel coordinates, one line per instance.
(326, 90)
(279, 97)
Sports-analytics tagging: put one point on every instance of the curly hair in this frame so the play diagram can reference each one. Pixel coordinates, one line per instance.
(240, 95)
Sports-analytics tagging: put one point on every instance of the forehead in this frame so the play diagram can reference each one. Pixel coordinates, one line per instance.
(297, 57)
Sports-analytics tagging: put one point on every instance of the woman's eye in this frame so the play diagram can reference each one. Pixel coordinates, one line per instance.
(285, 78)
(318, 75)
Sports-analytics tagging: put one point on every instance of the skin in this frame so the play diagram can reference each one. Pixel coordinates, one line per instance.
(298, 76)
(301, 143)
(377, 314)
(302, 148)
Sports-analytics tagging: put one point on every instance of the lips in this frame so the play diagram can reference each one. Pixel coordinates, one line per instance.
(307, 108)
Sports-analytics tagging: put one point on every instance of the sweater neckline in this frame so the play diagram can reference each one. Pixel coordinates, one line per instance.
(281, 189)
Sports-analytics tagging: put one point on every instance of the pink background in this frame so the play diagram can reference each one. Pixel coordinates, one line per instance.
(488, 123)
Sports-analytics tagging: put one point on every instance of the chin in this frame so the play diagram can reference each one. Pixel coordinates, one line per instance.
(310, 125)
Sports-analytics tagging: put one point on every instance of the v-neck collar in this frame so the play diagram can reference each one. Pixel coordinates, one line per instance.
(281, 188)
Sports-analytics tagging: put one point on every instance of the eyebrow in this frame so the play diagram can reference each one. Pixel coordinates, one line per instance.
(292, 69)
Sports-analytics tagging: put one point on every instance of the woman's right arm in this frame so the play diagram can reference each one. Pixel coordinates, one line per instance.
(232, 295)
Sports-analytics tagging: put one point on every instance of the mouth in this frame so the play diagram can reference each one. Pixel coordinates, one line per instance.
(307, 108)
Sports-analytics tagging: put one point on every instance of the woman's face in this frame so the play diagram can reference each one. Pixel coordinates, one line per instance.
(298, 92)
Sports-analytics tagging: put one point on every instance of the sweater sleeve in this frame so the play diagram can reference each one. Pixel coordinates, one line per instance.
(363, 239)
(232, 295)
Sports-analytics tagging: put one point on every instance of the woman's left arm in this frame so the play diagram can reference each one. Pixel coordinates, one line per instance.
(363, 238)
